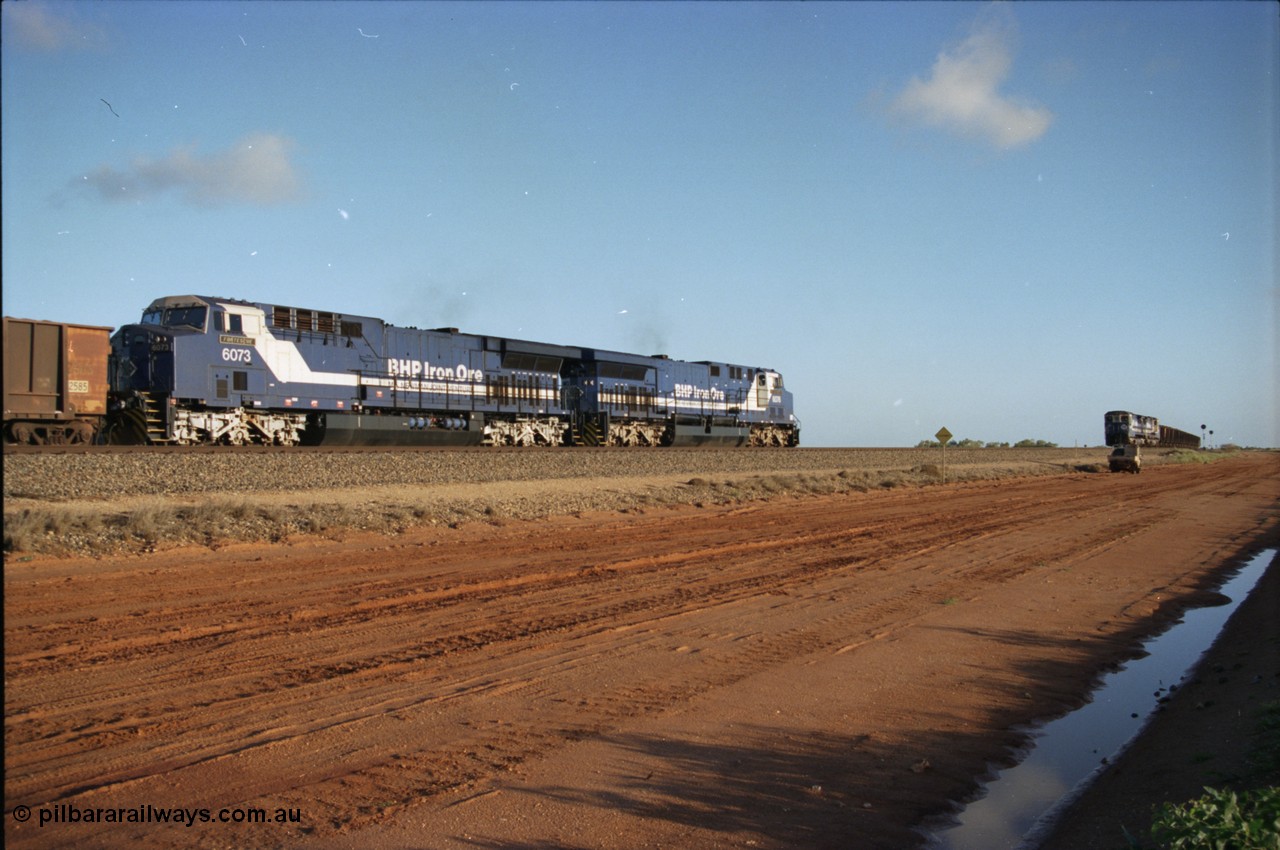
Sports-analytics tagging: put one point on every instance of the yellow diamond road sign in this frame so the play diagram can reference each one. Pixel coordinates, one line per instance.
(943, 435)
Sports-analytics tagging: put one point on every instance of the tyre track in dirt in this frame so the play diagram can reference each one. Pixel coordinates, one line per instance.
(358, 679)
(382, 605)
(470, 635)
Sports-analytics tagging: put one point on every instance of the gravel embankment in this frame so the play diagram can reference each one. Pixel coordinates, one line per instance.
(94, 503)
(75, 476)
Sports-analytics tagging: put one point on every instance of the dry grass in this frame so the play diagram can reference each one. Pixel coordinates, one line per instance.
(149, 522)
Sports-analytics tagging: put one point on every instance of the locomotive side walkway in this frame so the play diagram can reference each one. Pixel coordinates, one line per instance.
(821, 671)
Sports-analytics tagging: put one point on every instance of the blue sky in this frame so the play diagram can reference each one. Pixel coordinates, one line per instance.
(1002, 218)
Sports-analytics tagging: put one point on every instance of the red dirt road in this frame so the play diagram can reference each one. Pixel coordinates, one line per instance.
(817, 672)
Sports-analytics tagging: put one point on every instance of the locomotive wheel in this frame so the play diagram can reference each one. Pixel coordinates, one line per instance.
(237, 436)
(128, 428)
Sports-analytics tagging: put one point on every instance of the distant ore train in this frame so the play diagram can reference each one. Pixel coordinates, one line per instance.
(202, 370)
(1123, 428)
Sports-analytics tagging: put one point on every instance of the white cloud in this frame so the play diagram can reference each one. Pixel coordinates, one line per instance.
(962, 94)
(256, 170)
(43, 26)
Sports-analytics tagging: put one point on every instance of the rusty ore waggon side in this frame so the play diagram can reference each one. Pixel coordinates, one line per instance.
(55, 381)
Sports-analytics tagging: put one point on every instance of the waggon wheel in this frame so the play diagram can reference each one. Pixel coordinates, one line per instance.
(79, 433)
(22, 433)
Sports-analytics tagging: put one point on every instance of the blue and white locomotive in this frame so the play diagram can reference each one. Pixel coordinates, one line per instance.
(1122, 428)
(200, 370)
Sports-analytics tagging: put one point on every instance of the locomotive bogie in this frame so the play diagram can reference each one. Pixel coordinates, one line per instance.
(775, 436)
(638, 432)
(236, 427)
(525, 431)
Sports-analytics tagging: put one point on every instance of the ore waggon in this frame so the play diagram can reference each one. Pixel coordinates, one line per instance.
(55, 382)
(205, 370)
(1122, 428)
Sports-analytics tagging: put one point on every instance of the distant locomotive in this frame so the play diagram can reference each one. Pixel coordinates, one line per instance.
(1123, 428)
(202, 370)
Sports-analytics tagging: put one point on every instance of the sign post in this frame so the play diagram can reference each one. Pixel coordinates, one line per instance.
(943, 436)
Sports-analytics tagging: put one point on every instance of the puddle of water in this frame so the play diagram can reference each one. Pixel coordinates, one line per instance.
(1023, 801)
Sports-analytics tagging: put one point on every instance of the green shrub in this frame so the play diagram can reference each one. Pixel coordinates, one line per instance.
(1192, 456)
(1221, 820)
(1265, 758)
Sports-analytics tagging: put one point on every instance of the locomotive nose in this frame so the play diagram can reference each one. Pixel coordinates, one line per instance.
(138, 354)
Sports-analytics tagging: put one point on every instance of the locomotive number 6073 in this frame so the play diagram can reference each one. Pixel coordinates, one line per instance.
(287, 375)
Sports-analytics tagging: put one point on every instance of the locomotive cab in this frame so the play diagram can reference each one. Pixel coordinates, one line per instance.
(780, 426)
(190, 372)
(771, 396)
(237, 376)
(199, 351)
(143, 373)
(143, 354)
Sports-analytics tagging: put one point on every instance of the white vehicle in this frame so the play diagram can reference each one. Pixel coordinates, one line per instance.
(1126, 459)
